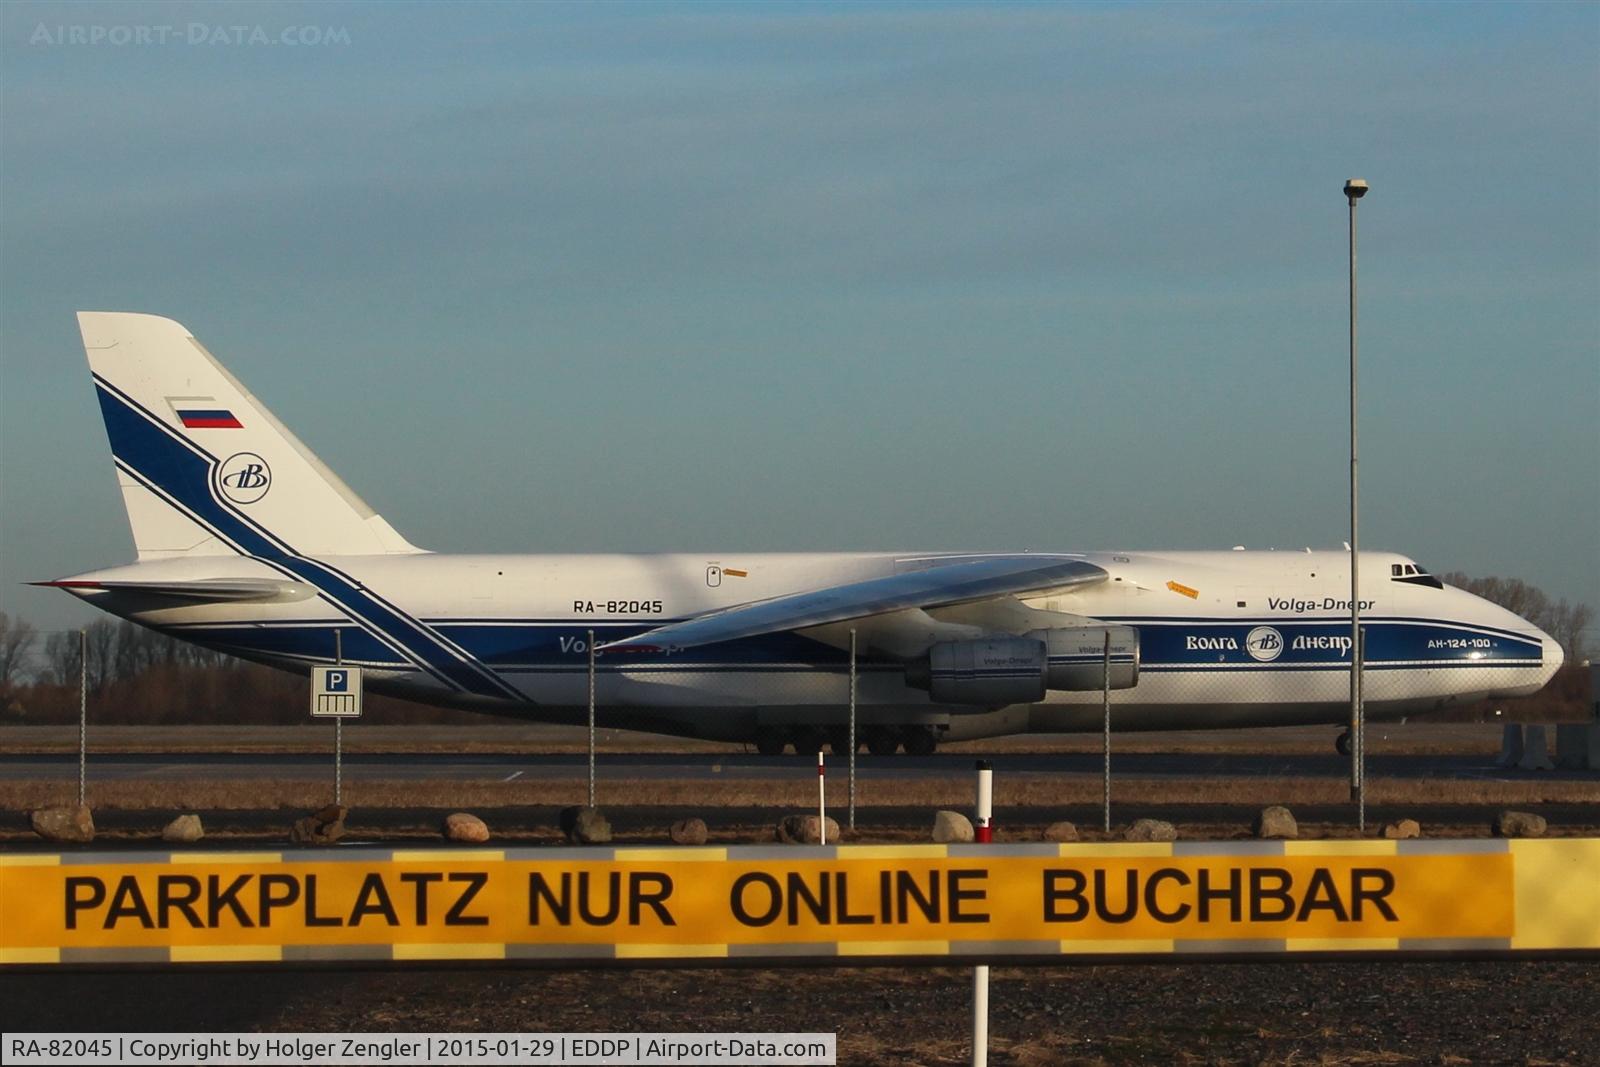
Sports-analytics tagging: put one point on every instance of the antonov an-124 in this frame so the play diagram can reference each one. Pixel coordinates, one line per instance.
(248, 544)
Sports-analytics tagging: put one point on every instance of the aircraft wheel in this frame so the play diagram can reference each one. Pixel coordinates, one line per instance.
(921, 742)
(1342, 743)
(770, 742)
(882, 741)
(808, 742)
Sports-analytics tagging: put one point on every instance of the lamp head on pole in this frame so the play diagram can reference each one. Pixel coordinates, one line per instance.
(1355, 189)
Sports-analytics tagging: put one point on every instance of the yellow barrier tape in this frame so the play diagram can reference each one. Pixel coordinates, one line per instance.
(860, 901)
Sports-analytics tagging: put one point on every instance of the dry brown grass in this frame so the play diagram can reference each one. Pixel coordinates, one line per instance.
(1017, 792)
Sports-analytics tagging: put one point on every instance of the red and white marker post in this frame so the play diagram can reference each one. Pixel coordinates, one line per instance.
(822, 800)
(983, 833)
(983, 830)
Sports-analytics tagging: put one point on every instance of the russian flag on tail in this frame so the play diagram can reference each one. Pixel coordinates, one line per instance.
(208, 419)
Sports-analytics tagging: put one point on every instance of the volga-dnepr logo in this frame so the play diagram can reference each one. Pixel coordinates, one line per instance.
(244, 477)
(1264, 643)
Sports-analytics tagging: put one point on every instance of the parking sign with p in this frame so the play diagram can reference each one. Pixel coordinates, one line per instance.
(336, 692)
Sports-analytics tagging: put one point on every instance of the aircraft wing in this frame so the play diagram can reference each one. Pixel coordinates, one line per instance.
(940, 585)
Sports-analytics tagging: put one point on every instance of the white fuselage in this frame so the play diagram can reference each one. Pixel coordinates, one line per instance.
(1227, 639)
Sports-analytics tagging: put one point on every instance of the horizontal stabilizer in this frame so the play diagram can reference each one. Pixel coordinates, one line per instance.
(198, 591)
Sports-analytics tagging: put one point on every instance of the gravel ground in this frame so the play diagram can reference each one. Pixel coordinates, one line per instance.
(1526, 1012)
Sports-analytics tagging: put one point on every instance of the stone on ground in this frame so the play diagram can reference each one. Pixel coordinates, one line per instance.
(466, 827)
(1519, 824)
(805, 830)
(688, 832)
(952, 828)
(184, 830)
(1061, 831)
(1276, 823)
(322, 827)
(67, 823)
(585, 826)
(1402, 830)
(1151, 830)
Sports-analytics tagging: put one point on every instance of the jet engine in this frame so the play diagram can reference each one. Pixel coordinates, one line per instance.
(1019, 670)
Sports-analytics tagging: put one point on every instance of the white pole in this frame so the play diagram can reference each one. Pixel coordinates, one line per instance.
(980, 975)
(83, 715)
(980, 1017)
(822, 800)
(984, 831)
(1354, 190)
(852, 819)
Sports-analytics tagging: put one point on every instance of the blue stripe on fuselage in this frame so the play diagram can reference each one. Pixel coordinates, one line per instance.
(534, 645)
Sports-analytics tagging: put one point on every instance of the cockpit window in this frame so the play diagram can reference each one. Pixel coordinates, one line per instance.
(1412, 574)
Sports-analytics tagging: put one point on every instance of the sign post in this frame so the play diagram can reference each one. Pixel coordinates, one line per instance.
(336, 695)
(1105, 704)
(852, 728)
(83, 716)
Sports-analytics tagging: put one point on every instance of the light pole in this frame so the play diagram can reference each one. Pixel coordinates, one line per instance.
(1354, 190)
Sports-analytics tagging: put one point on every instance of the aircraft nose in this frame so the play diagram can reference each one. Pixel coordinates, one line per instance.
(1554, 654)
(1551, 654)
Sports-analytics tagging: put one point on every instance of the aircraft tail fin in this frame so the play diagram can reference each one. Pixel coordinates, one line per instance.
(204, 467)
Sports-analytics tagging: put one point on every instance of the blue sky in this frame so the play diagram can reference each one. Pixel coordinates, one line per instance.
(707, 277)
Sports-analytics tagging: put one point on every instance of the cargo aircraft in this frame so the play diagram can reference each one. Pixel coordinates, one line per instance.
(247, 543)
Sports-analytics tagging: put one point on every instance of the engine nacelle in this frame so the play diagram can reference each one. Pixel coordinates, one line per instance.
(1018, 670)
(1076, 657)
(991, 671)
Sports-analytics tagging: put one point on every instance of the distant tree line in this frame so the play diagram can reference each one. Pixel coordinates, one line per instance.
(138, 676)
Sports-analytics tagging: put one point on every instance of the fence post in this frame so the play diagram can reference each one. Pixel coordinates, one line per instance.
(591, 718)
(1358, 742)
(1105, 704)
(83, 716)
(852, 818)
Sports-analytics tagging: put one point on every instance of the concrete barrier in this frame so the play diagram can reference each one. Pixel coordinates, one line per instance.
(1535, 749)
(1578, 746)
(1510, 746)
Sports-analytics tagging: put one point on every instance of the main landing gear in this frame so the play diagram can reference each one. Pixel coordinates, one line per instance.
(1342, 744)
(882, 740)
(920, 741)
(879, 740)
